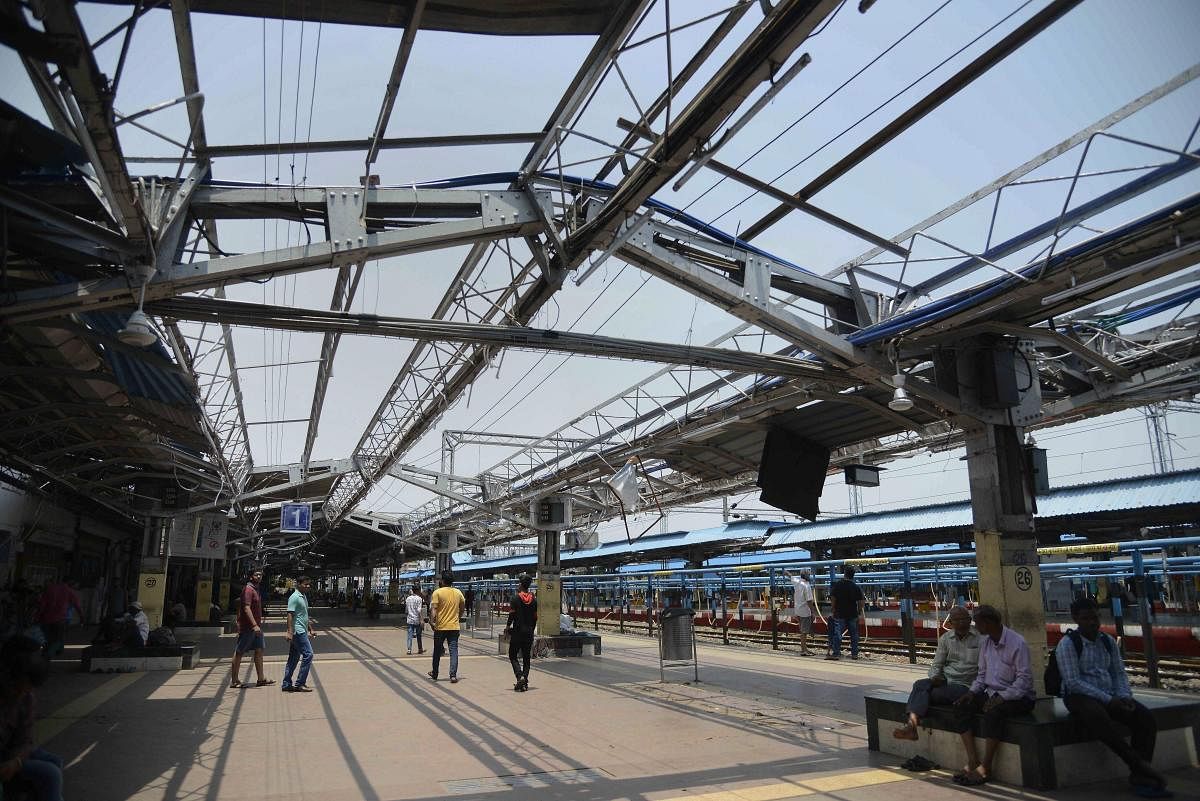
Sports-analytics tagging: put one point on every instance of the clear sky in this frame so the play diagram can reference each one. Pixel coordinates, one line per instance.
(277, 81)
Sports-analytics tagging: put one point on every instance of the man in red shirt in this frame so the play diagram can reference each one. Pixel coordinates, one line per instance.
(53, 605)
(250, 636)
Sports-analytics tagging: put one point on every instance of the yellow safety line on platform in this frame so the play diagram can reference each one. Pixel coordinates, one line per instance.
(800, 787)
(58, 720)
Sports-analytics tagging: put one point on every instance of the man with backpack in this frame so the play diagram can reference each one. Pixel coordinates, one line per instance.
(1096, 692)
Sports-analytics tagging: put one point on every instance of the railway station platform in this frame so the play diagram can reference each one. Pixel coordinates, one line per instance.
(760, 726)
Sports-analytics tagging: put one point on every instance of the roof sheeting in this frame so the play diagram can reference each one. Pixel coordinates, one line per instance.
(1173, 489)
(671, 543)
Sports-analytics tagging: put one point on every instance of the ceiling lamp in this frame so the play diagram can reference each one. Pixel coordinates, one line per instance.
(900, 401)
(138, 330)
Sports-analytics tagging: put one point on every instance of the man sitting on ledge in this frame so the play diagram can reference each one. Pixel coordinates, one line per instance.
(1096, 692)
(954, 667)
(1002, 688)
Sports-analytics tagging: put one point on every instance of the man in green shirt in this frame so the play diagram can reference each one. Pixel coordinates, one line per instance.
(954, 667)
(299, 632)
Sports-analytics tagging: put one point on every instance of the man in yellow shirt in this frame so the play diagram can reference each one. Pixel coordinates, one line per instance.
(446, 606)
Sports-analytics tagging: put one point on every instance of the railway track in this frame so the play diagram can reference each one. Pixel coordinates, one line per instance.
(1169, 668)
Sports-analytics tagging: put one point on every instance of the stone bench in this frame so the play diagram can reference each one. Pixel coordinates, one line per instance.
(106, 659)
(556, 645)
(1045, 749)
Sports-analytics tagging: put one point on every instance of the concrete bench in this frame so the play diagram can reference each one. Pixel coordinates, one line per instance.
(557, 645)
(105, 659)
(1045, 749)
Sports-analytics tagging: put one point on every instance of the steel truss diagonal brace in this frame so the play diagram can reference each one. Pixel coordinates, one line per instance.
(398, 473)
(510, 216)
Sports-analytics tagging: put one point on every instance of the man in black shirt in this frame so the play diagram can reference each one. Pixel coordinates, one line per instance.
(848, 601)
(522, 621)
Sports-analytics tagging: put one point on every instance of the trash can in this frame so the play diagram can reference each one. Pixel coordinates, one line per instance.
(675, 633)
(190, 653)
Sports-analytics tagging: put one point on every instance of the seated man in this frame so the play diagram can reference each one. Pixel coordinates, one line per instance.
(1095, 690)
(950, 676)
(1002, 688)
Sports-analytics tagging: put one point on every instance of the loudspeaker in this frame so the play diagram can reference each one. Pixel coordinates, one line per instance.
(792, 472)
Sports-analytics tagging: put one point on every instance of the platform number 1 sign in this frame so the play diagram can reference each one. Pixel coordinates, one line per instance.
(295, 518)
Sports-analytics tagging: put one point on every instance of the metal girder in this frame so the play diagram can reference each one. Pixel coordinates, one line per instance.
(502, 215)
(430, 380)
(751, 300)
(91, 92)
(386, 143)
(1104, 123)
(393, 85)
(76, 226)
(774, 40)
(765, 188)
(994, 55)
(293, 319)
(343, 295)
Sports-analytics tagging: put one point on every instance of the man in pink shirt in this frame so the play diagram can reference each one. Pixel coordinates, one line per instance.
(1002, 688)
(53, 606)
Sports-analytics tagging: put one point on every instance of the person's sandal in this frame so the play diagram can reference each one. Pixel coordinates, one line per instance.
(236, 685)
(264, 682)
(905, 733)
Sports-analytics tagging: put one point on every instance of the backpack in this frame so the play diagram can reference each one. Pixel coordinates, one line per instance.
(161, 636)
(1052, 678)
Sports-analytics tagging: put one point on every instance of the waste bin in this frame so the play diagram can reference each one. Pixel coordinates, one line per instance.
(675, 633)
(190, 652)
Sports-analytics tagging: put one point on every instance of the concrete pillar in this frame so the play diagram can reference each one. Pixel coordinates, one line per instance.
(1006, 549)
(152, 578)
(204, 595)
(549, 585)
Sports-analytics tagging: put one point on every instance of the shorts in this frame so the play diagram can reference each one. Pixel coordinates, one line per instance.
(804, 624)
(250, 640)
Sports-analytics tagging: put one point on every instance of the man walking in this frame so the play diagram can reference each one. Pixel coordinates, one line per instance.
(54, 606)
(413, 605)
(805, 605)
(1002, 688)
(522, 620)
(848, 604)
(954, 668)
(1096, 691)
(299, 634)
(250, 635)
(446, 607)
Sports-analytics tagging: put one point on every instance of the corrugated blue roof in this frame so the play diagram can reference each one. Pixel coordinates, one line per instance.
(1172, 489)
(670, 542)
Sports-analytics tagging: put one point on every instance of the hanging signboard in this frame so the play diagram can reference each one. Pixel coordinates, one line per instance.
(295, 518)
(199, 536)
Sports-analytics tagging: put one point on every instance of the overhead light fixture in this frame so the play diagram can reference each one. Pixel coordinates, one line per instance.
(900, 401)
(138, 330)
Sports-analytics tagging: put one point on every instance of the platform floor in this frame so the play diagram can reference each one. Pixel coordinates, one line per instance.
(760, 726)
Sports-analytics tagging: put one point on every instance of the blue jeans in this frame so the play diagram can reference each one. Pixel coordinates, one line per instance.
(300, 651)
(840, 626)
(414, 630)
(450, 637)
(44, 771)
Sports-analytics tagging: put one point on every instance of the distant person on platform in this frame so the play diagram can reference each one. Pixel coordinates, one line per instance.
(954, 668)
(848, 606)
(54, 606)
(250, 634)
(1002, 688)
(22, 670)
(805, 605)
(522, 621)
(299, 634)
(445, 608)
(1096, 692)
(141, 624)
(413, 605)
